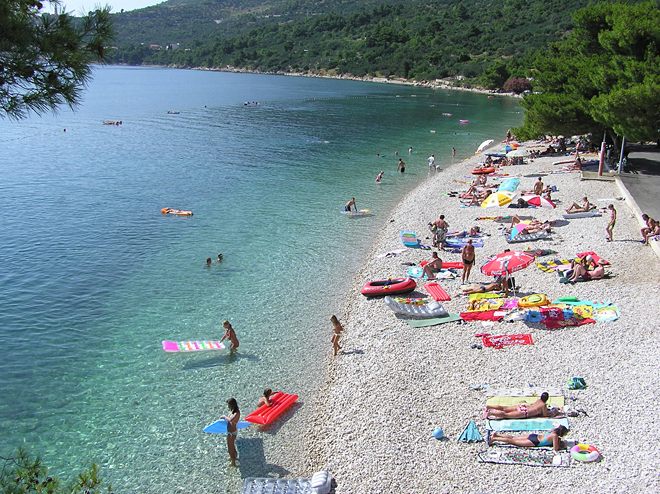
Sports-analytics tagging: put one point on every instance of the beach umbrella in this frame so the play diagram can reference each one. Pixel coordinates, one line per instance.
(506, 262)
(484, 145)
(499, 198)
(517, 153)
(540, 202)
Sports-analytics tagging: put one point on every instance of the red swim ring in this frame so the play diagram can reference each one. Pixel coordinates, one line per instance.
(394, 286)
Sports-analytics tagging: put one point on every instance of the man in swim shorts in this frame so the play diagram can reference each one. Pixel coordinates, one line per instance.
(523, 410)
(433, 266)
(468, 256)
(402, 166)
(350, 205)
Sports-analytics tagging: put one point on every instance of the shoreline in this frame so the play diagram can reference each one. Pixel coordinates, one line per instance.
(442, 84)
(411, 380)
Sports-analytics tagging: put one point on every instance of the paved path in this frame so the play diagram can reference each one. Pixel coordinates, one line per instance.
(644, 183)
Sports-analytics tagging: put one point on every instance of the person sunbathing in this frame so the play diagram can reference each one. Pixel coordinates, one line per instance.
(553, 438)
(584, 270)
(433, 266)
(496, 286)
(523, 410)
(479, 197)
(581, 208)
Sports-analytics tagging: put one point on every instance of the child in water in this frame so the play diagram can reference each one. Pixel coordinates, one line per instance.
(337, 329)
(230, 335)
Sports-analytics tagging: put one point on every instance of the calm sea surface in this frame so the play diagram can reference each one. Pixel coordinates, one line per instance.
(93, 277)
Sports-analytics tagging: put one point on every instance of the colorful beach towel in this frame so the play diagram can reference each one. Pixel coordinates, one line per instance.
(606, 314)
(535, 457)
(487, 315)
(460, 242)
(500, 341)
(551, 265)
(484, 304)
(526, 237)
(567, 323)
(533, 424)
(482, 295)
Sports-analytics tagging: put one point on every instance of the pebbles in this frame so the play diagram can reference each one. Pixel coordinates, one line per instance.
(394, 384)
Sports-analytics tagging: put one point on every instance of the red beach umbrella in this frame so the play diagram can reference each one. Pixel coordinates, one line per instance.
(540, 202)
(506, 262)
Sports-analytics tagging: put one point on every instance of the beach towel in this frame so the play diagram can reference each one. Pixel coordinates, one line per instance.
(509, 184)
(500, 341)
(584, 214)
(552, 265)
(526, 237)
(482, 295)
(539, 252)
(268, 485)
(533, 424)
(484, 304)
(460, 242)
(535, 457)
(567, 323)
(556, 400)
(434, 321)
(597, 259)
(606, 314)
(418, 272)
(488, 315)
(426, 311)
(437, 292)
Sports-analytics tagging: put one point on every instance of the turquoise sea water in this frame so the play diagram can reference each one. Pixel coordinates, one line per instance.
(93, 277)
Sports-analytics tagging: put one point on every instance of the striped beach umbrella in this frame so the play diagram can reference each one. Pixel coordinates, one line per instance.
(499, 198)
(539, 201)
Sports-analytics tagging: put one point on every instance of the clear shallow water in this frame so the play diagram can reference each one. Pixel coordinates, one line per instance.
(93, 277)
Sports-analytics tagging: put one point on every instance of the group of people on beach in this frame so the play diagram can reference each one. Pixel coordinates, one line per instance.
(650, 230)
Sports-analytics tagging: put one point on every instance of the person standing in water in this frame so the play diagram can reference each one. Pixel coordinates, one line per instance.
(230, 335)
(431, 162)
(350, 205)
(379, 177)
(232, 429)
(453, 152)
(337, 330)
(402, 166)
(208, 262)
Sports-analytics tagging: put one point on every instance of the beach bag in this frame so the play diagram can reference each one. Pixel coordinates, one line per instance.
(577, 383)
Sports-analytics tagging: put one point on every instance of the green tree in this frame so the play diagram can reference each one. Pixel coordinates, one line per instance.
(45, 58)
(604, 76)
(23, 474)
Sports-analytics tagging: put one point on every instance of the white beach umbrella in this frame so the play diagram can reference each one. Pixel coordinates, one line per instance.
(517, 153)
(484, 145)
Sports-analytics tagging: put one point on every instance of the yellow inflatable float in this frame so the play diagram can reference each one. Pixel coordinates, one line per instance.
(534, 300)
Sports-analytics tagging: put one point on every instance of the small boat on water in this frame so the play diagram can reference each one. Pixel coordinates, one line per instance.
(463, 122)
(112, 122)
(173, 112)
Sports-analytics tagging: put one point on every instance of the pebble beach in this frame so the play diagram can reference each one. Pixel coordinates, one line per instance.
(393, 384)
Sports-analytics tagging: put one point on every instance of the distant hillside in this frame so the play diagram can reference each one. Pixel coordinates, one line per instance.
(414, 39)
(187, 21)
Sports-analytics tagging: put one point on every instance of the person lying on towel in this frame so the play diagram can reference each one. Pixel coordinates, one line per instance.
(581, 208)
(523, 410)
(496, 286)
(553, 438)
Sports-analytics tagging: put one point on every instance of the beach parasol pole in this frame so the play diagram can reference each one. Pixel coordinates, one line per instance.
(601, 160)
(623, 146)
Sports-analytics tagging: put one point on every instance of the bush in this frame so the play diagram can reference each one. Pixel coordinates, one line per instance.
(517, 85)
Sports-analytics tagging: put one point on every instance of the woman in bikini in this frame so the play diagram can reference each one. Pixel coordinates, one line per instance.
(337, 329)
(521, 410)
(468, 256)
(232, 430)
(230, 335)
(532, 440)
